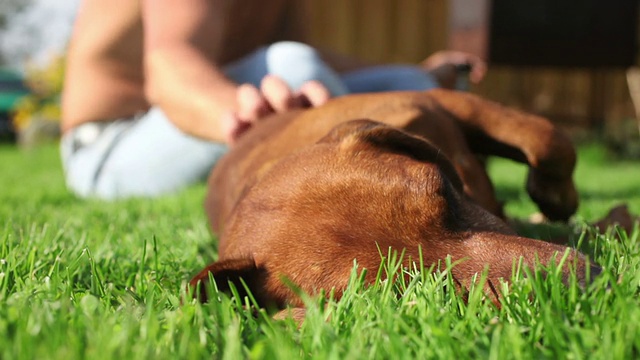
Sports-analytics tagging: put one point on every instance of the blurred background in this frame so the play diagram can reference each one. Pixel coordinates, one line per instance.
(574, 61)
(33, 40)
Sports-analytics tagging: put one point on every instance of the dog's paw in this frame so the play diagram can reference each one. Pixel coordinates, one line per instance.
(557, 199)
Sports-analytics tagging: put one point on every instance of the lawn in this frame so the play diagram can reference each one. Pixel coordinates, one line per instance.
(89, 279)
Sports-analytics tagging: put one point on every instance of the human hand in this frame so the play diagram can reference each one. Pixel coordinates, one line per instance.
(274, 96)
(445, 58)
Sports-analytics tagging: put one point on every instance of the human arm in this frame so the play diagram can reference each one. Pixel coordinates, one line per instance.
(182, 76)
(186, 81)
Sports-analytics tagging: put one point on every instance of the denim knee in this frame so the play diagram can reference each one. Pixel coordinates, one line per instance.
(298, 63)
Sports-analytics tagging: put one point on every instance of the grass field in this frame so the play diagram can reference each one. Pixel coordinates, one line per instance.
(89, 279)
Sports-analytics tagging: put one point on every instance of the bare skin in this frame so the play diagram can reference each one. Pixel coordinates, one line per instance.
(113, 73)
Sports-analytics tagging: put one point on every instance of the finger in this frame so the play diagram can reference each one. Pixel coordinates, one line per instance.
(313, 93)
(278, 94)
(240, 128)
(251, 103)
(232, 127)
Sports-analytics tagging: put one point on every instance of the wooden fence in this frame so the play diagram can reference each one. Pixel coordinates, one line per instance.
(380, 30)
(409, 30)
(585, 98)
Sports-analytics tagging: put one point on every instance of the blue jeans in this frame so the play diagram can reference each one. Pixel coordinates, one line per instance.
(148, 156)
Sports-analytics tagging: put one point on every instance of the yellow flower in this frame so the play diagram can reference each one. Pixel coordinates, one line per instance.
(45, 84)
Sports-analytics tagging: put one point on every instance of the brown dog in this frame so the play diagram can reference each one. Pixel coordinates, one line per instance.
(305, 193)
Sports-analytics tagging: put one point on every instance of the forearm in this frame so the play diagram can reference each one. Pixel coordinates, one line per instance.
(191, 90)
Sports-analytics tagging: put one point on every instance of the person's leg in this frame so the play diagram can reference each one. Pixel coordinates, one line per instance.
(154, 157)
(294, 62)
(83, 151)
(144, 157)
(297, 63)
(389, 78)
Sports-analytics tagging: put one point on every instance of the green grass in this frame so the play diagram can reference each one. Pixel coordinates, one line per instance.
(89, 279)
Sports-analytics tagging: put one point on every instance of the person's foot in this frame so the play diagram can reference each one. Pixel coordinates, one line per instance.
(445, 66)
(446, 75)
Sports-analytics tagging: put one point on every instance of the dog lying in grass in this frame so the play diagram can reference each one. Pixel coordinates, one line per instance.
(306, 193)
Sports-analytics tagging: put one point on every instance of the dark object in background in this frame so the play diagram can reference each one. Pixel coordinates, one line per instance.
(7, 133)
(12, 89)
(576, 33)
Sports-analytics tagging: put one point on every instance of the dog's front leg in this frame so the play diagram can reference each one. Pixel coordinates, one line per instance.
(493, 129)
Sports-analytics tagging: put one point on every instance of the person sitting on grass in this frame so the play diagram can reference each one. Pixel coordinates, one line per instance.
(156, 91)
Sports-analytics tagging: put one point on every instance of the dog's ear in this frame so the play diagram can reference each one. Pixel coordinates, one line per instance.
(224, 273)
(348, 129)
(396, 140)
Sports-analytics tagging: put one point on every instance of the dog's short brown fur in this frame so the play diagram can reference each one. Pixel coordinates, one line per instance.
(305, 193)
